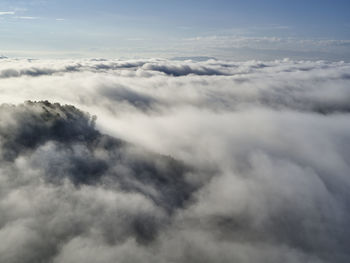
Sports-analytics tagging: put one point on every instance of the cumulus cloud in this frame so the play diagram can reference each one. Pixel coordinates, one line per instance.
(48, 148)
(187, 161)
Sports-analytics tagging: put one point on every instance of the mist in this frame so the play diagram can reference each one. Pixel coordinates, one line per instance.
(155, 160)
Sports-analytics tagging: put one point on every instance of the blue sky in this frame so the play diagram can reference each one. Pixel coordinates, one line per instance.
(262, 29)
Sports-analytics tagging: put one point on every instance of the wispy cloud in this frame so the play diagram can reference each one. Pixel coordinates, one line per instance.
(2, 13)
(28, 17)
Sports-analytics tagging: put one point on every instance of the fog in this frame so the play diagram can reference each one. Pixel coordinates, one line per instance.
(156, 160)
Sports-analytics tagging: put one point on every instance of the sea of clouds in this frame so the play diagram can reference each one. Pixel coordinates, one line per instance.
(185, 161)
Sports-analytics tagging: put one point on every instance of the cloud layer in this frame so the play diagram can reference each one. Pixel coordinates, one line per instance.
(210, 161)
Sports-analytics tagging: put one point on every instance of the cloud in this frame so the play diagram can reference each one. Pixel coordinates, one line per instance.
(59, 146)
(182, 69)
(28, 17)
(187, 161)
(3, 13)
(267, 48)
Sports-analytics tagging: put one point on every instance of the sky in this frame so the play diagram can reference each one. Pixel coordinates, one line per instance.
(238, 30)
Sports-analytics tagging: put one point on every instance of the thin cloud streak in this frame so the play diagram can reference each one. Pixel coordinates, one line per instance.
(2, 13)
(27, 17)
